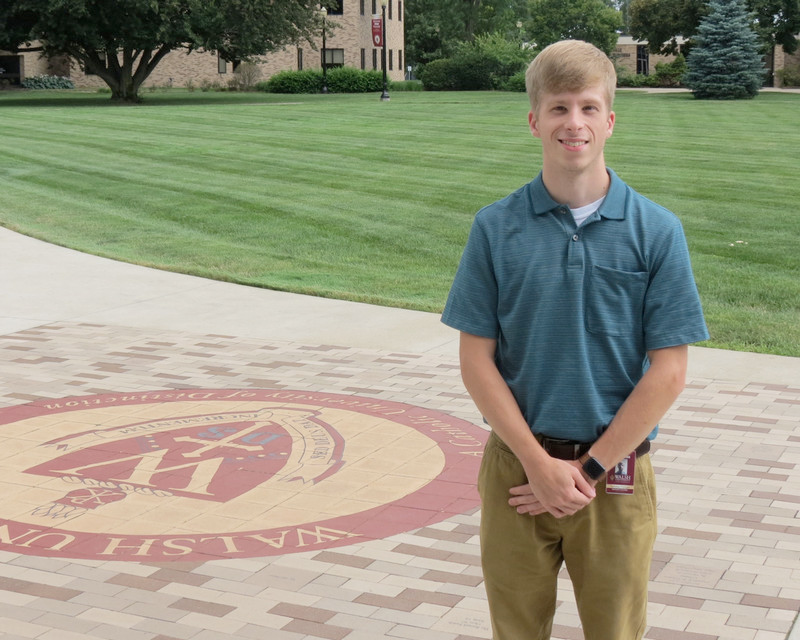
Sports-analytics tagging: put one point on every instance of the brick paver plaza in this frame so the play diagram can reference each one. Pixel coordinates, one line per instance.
(164, 483)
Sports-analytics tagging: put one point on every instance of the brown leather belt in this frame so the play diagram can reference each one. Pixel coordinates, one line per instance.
(569, 450)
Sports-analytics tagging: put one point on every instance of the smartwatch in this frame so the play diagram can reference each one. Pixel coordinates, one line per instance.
(593, 468)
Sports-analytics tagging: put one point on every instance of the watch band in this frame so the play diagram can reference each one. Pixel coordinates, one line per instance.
(593, 468)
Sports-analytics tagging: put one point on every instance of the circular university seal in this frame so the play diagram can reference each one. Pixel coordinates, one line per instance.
(206, 474)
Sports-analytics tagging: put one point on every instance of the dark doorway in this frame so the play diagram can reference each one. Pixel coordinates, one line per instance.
(11, 69)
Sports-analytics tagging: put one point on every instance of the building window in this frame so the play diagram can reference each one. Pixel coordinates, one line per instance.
(400, 59)
(642, 60)
(374, 58)
(391, 57)
(374, 7)
(390, 9)
(361, 7)
(334, 58)
(363, 59)
(222, 64)
(400, 10)
(335, 7)
(299, 58)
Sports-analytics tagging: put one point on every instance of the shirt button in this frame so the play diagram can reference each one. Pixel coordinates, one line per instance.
(576, 237)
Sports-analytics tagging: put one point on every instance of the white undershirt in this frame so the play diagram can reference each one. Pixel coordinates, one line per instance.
(581, 213)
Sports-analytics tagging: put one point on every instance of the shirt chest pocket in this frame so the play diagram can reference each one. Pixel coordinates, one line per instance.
(614, 301)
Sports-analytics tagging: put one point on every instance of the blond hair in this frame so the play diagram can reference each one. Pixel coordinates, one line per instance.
(569, 65)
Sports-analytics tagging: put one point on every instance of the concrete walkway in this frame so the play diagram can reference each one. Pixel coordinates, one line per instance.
(106, 364)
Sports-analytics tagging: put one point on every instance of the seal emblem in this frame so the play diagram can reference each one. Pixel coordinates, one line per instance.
(202, 474)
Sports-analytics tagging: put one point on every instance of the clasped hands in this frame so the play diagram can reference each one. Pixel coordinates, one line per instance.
(560, 488)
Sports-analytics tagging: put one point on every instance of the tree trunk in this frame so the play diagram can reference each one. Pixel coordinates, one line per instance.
(125, 93)
(123, 81)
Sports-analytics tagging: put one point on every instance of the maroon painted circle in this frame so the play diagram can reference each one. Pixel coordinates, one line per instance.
(213, 448)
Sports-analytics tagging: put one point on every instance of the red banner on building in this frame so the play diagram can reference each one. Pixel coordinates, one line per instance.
(377, 32)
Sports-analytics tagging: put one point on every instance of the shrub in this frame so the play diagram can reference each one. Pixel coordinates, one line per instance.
(670, 74)
(439, 75)
(339, 80)
(406, 85)
(470, 71)
(790, 76)
(349, 80)
(475, 71)
(635, 80)
(48, 82)
(306, 81)
(516, 82)
(207, 85)
(244, 77)
(488, 62)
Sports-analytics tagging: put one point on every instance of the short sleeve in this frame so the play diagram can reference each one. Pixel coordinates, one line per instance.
(472, 302)
(673, 314)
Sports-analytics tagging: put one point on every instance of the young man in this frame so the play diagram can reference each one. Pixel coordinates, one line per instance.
(576, 302)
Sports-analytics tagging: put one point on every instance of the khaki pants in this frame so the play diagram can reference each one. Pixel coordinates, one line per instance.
(607, 547)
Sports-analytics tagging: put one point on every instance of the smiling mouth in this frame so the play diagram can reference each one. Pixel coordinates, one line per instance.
(573, 143)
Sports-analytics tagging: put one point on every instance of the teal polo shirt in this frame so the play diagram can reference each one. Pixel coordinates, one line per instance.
(574, 310)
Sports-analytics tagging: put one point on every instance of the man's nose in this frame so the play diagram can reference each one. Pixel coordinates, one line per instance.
(575, 120)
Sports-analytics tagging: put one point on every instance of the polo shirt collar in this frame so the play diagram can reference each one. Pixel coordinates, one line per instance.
(613, 206)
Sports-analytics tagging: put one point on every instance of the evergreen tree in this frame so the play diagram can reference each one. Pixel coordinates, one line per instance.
(725, 63)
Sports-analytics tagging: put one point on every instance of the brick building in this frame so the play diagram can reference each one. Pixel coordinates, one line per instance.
(348, 43)
(634, 56)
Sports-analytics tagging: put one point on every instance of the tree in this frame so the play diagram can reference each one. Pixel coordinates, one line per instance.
(435, 28)
(661, 22)
(124, 40)
(594, 21)
(725, 63)
(777, 22)
(432, 26)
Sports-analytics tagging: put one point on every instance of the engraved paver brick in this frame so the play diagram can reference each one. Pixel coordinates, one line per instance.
(725, 560)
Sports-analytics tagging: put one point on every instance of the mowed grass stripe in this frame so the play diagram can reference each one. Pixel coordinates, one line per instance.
(206, 193)
(349, 197)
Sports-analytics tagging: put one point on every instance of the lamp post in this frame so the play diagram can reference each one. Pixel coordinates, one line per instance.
(324, 12)
(385, 94)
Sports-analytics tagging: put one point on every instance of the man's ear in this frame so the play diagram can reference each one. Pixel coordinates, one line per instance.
(612, 118)
(533, 124)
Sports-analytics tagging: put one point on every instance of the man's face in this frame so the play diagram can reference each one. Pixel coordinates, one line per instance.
(573, 127)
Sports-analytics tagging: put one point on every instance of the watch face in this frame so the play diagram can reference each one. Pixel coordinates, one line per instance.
(594, 469)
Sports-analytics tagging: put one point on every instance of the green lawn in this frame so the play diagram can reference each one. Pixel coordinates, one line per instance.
(347, 196)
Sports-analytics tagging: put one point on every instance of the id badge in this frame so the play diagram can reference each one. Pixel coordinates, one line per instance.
(619, 480)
